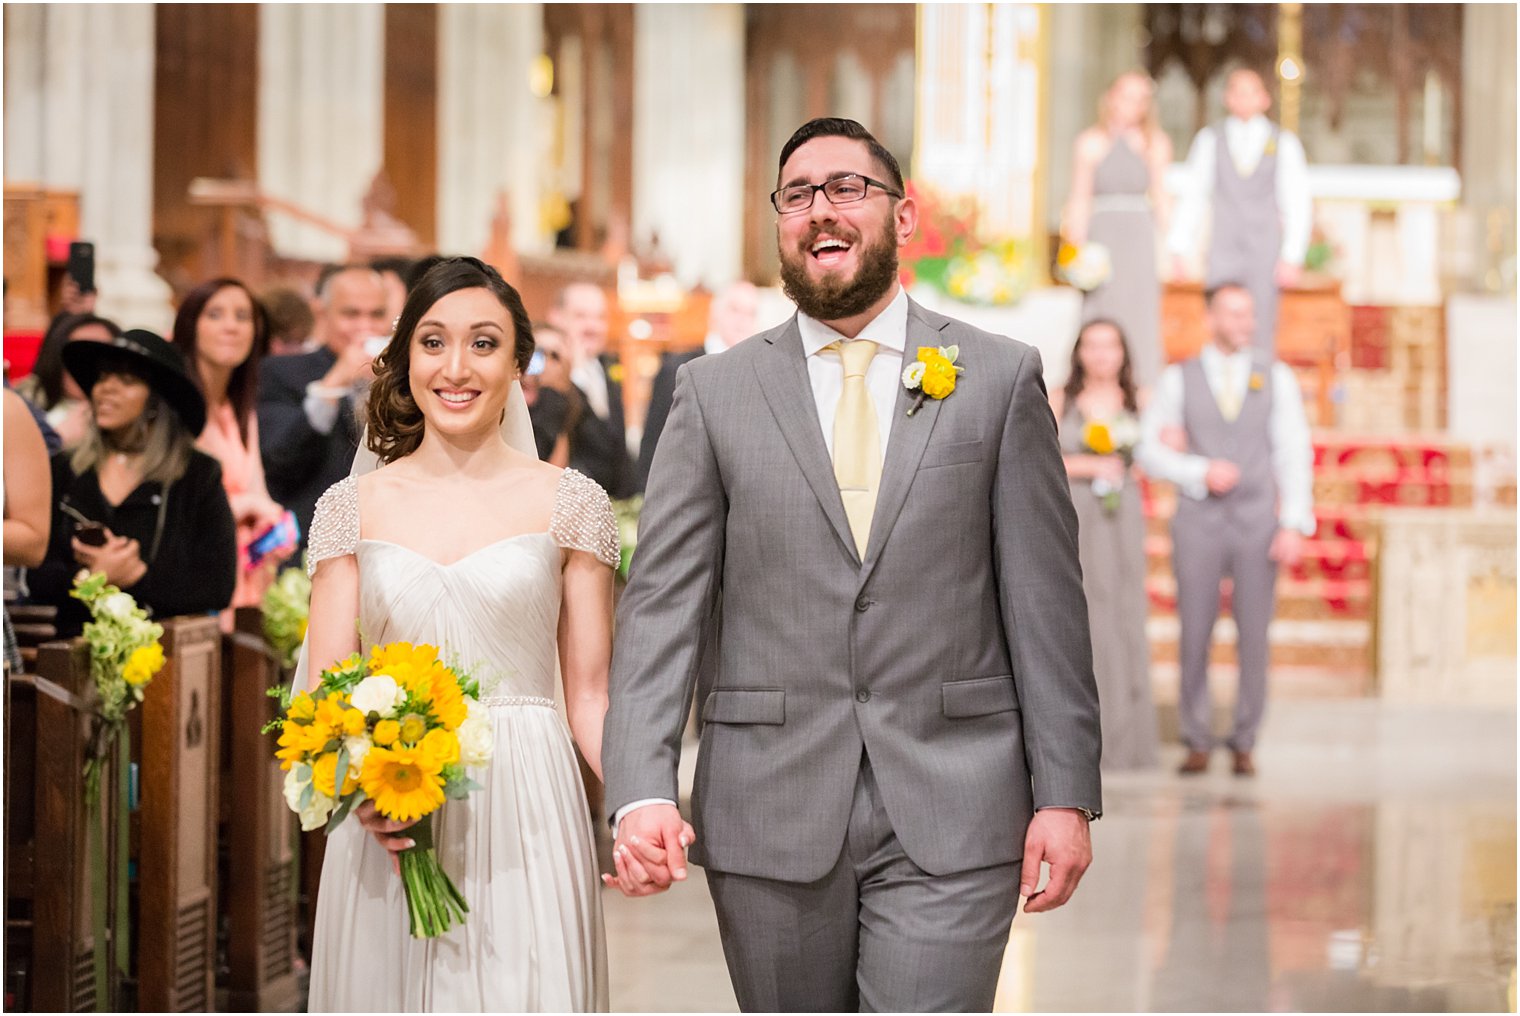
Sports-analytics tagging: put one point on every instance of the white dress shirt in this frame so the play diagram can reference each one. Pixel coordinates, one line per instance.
(889, 330)
(1247, 143)
(591, 378)
(1292, 448)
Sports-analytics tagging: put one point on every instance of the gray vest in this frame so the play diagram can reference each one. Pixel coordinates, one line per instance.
(1251, 507)
(1247, 232)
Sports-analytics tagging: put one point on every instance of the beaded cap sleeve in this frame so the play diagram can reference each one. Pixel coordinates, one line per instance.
(583, 519)
(334, 524)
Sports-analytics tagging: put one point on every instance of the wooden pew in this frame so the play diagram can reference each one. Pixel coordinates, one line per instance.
(263, 870)
(176, 931)
(49, 833)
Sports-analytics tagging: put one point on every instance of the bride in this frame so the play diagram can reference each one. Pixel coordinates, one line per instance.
(464, 540)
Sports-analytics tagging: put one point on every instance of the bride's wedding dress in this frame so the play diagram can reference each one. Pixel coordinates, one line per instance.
(521, 849)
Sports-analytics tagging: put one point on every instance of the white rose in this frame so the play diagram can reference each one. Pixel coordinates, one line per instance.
(117, 606)
(318, 810)
(357, 747)
(476, 740)
(295, 784)
(316, 814)
(378, 693)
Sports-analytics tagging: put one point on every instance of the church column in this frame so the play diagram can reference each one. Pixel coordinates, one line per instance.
(1488, 136)
(494, 133)
(321, 87)
(688, 144)
(79, 116)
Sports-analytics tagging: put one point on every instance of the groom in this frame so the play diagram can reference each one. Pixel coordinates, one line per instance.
(881, 613)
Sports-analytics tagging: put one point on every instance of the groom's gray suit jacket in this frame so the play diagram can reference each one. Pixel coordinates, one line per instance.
(957, 653)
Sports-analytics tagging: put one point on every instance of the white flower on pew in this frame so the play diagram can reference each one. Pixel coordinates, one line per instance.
(378, 693)
(119, 607)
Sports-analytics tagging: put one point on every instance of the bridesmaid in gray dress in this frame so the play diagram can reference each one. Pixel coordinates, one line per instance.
(1118, 199)
(1100, 392)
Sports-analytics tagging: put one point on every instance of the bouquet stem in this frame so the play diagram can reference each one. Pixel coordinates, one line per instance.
(433, 902)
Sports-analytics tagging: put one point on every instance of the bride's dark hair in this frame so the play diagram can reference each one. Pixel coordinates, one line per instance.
(395, 422)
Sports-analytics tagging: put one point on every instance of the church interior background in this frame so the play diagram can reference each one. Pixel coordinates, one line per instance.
(1373, 864)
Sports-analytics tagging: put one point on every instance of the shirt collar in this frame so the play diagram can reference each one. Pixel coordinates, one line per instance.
(889, 329)
(1212, 354)
(714, 344)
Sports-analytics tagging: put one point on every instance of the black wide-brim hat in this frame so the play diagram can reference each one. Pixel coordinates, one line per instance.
(159, 363)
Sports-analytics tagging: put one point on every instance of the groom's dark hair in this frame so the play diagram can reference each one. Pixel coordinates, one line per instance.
(839, 127)
(395, 422)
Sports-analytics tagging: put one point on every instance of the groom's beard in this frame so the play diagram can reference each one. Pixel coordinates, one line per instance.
(832, 297)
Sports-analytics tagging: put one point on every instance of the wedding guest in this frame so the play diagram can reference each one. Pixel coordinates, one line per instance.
(222, 332)
(554, 404)
(599, 444)
(731, 320)
(28, 497)
(49, 387)
(1119, 199)
(1228, 428)
(136, 500)
(1262, 212)
(290, 320)
(307, 403)
(1098, 411)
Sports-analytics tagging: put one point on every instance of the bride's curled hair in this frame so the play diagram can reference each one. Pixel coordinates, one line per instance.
(395, 422)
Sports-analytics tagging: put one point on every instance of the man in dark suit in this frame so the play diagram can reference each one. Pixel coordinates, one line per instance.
(730, 320)
(599, 442)
(308, 424)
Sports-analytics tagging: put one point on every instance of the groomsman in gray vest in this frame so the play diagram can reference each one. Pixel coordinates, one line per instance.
(868, 576)
(1228, 428)
(1254, 176)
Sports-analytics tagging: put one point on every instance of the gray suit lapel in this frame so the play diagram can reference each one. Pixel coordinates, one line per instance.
(784, 381)
(910, 436)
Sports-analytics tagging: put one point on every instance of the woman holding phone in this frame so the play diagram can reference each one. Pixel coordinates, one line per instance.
(135, 499)
(223, 332)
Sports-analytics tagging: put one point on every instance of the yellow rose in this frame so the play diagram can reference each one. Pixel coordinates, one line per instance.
(939, 377)
(386, 733)
(1096, 436)
(324, 774)
(442, 745)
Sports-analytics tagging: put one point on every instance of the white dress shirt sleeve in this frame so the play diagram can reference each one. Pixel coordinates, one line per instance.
(1292, 453)
(321, 406)
(1193, 196)
(1294, 202)
(633, 806)
(1156, 458)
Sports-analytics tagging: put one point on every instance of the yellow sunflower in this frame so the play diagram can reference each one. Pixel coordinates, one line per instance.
(404, 783)
(447, 699)
(410, 665)
(302, 708)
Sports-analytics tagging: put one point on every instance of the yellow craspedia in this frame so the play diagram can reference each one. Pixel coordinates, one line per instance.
(144, 662)
(1097, 436)
(302, 708)
(404, 783)
(413, 728)
(353, 722)
(442, 745)
(386, 733)
(939, 373)
(324, 775)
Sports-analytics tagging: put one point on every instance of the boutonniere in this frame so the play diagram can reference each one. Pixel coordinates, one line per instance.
(932, 375)
(615, 373)
(1271, 148)
(1258, 381)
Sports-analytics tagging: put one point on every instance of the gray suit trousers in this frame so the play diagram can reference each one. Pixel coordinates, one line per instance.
(876, 934)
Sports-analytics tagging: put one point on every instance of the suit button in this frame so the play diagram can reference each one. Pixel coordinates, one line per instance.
(863, 604)
(863, 695)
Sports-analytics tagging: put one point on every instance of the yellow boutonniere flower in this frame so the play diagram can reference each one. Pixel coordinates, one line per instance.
(615, 373)
(1096, 435)
(933, 375)
(1271, 148)
(1258, 381)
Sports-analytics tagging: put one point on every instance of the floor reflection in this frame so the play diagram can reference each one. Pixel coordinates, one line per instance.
(1371, 866)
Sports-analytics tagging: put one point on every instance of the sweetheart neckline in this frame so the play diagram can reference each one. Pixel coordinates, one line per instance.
(459, 560)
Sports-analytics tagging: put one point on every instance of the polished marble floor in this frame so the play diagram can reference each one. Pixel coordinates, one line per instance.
(1371, 866)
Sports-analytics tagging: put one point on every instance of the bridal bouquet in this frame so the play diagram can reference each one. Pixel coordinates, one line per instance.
(1116, 438)
(125, 654)
(399, 730)
(1086, 266)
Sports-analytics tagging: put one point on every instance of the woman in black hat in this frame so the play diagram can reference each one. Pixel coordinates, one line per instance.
(135, 499)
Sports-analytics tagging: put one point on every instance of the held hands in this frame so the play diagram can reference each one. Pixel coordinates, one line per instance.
(1058, 837)
(119, 558)
(650, 853)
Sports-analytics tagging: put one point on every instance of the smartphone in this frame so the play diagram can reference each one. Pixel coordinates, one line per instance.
(91, 534)
(81, 267)
(536, 363)
(285, 533)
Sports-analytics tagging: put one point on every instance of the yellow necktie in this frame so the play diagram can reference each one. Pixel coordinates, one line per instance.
(857, 441)
(1228, 399)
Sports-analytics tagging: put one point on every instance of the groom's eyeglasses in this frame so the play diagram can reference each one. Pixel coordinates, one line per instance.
(841, 190)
